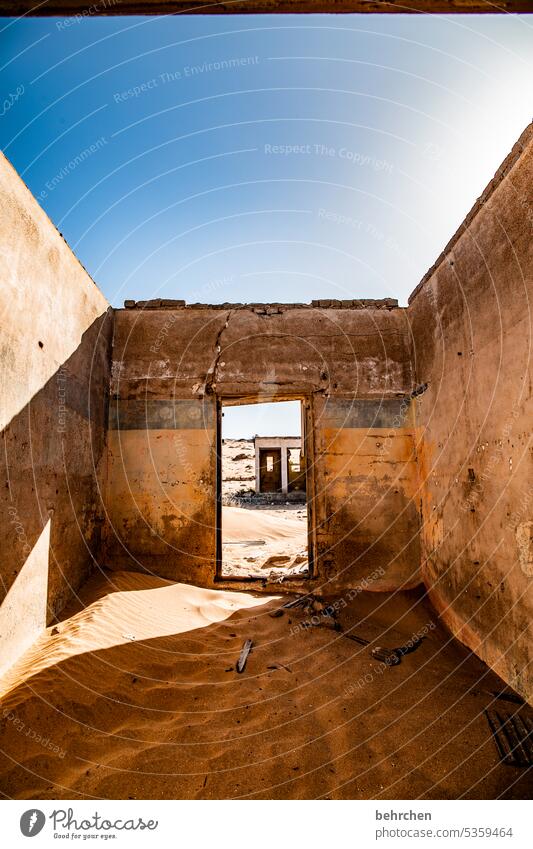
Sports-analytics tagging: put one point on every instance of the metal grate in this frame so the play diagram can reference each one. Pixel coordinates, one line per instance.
(513, 735)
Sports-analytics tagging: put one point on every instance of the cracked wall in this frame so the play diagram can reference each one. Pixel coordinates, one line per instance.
(420, 425)
(350, 361)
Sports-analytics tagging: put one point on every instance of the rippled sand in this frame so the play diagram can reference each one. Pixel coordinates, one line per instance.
(135, 695)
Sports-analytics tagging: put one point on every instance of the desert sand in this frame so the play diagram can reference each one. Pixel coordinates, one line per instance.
(238, 467)
(134, 694)
(258, 541)
(264, 543)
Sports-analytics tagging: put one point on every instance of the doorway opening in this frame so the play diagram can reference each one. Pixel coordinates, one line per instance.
(263, 516)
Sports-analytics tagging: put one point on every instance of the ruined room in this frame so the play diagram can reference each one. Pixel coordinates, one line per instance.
(377, 664)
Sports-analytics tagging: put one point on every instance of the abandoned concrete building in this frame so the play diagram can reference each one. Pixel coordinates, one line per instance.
(417, 442)
(278, 464)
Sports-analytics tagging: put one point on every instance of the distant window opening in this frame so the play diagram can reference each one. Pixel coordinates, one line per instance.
(296, 481)
(294, 460)
(263, 517)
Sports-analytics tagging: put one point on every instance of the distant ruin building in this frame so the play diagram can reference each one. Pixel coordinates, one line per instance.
(279, 464)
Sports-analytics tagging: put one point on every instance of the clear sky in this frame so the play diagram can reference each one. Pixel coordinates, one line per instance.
(232, 158)
(245, 421)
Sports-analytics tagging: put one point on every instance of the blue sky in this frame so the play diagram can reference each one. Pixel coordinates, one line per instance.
(278, 419)
(262, 158)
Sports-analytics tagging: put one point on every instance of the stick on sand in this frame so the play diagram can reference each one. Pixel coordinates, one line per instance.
(243, 657)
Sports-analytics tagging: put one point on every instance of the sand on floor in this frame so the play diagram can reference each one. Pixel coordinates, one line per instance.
(264, 542)
(134, 694)
(258, 541)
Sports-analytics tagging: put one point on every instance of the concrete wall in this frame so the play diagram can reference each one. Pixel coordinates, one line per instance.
(472, 327)
(54, 355)
(350, 365)
(419, 432)
(420, 418)
(366, 515)
(284, 443)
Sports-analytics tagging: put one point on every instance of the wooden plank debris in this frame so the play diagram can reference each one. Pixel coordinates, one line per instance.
(243, 657)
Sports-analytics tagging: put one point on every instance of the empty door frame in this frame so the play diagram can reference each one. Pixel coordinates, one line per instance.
(270, 475)
(307, 448)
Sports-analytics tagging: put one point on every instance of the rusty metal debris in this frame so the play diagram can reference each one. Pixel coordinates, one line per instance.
(388, 656)
(392, 657)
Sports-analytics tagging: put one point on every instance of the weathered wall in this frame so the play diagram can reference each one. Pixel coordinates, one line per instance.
(367, 520)
(471, 320)
(457, 455)
(351, 365)
(54, 355)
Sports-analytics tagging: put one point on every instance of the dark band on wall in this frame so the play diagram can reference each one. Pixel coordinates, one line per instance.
(161, 415)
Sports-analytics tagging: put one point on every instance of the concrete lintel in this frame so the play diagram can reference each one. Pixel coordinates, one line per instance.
(267, 308)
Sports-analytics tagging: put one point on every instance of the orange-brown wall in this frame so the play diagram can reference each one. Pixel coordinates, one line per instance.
(472, 328)
(170, 366)
(366, 514)
(161, 491)
(437, 487)
(54, 376)
(420, 454)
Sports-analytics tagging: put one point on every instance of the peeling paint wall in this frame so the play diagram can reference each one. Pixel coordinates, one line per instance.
(161, 491)
(54, 376)
(472, 328)
(351, 365)
(367, 520)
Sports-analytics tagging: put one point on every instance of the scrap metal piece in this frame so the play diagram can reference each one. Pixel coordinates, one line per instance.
(392, 657)
(389, 656)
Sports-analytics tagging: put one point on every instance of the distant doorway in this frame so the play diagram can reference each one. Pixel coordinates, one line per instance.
(263, 525)
(270, 469)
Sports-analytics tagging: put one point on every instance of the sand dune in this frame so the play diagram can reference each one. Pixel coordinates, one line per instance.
(93, 713)
(241, 524)
(131, 609)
